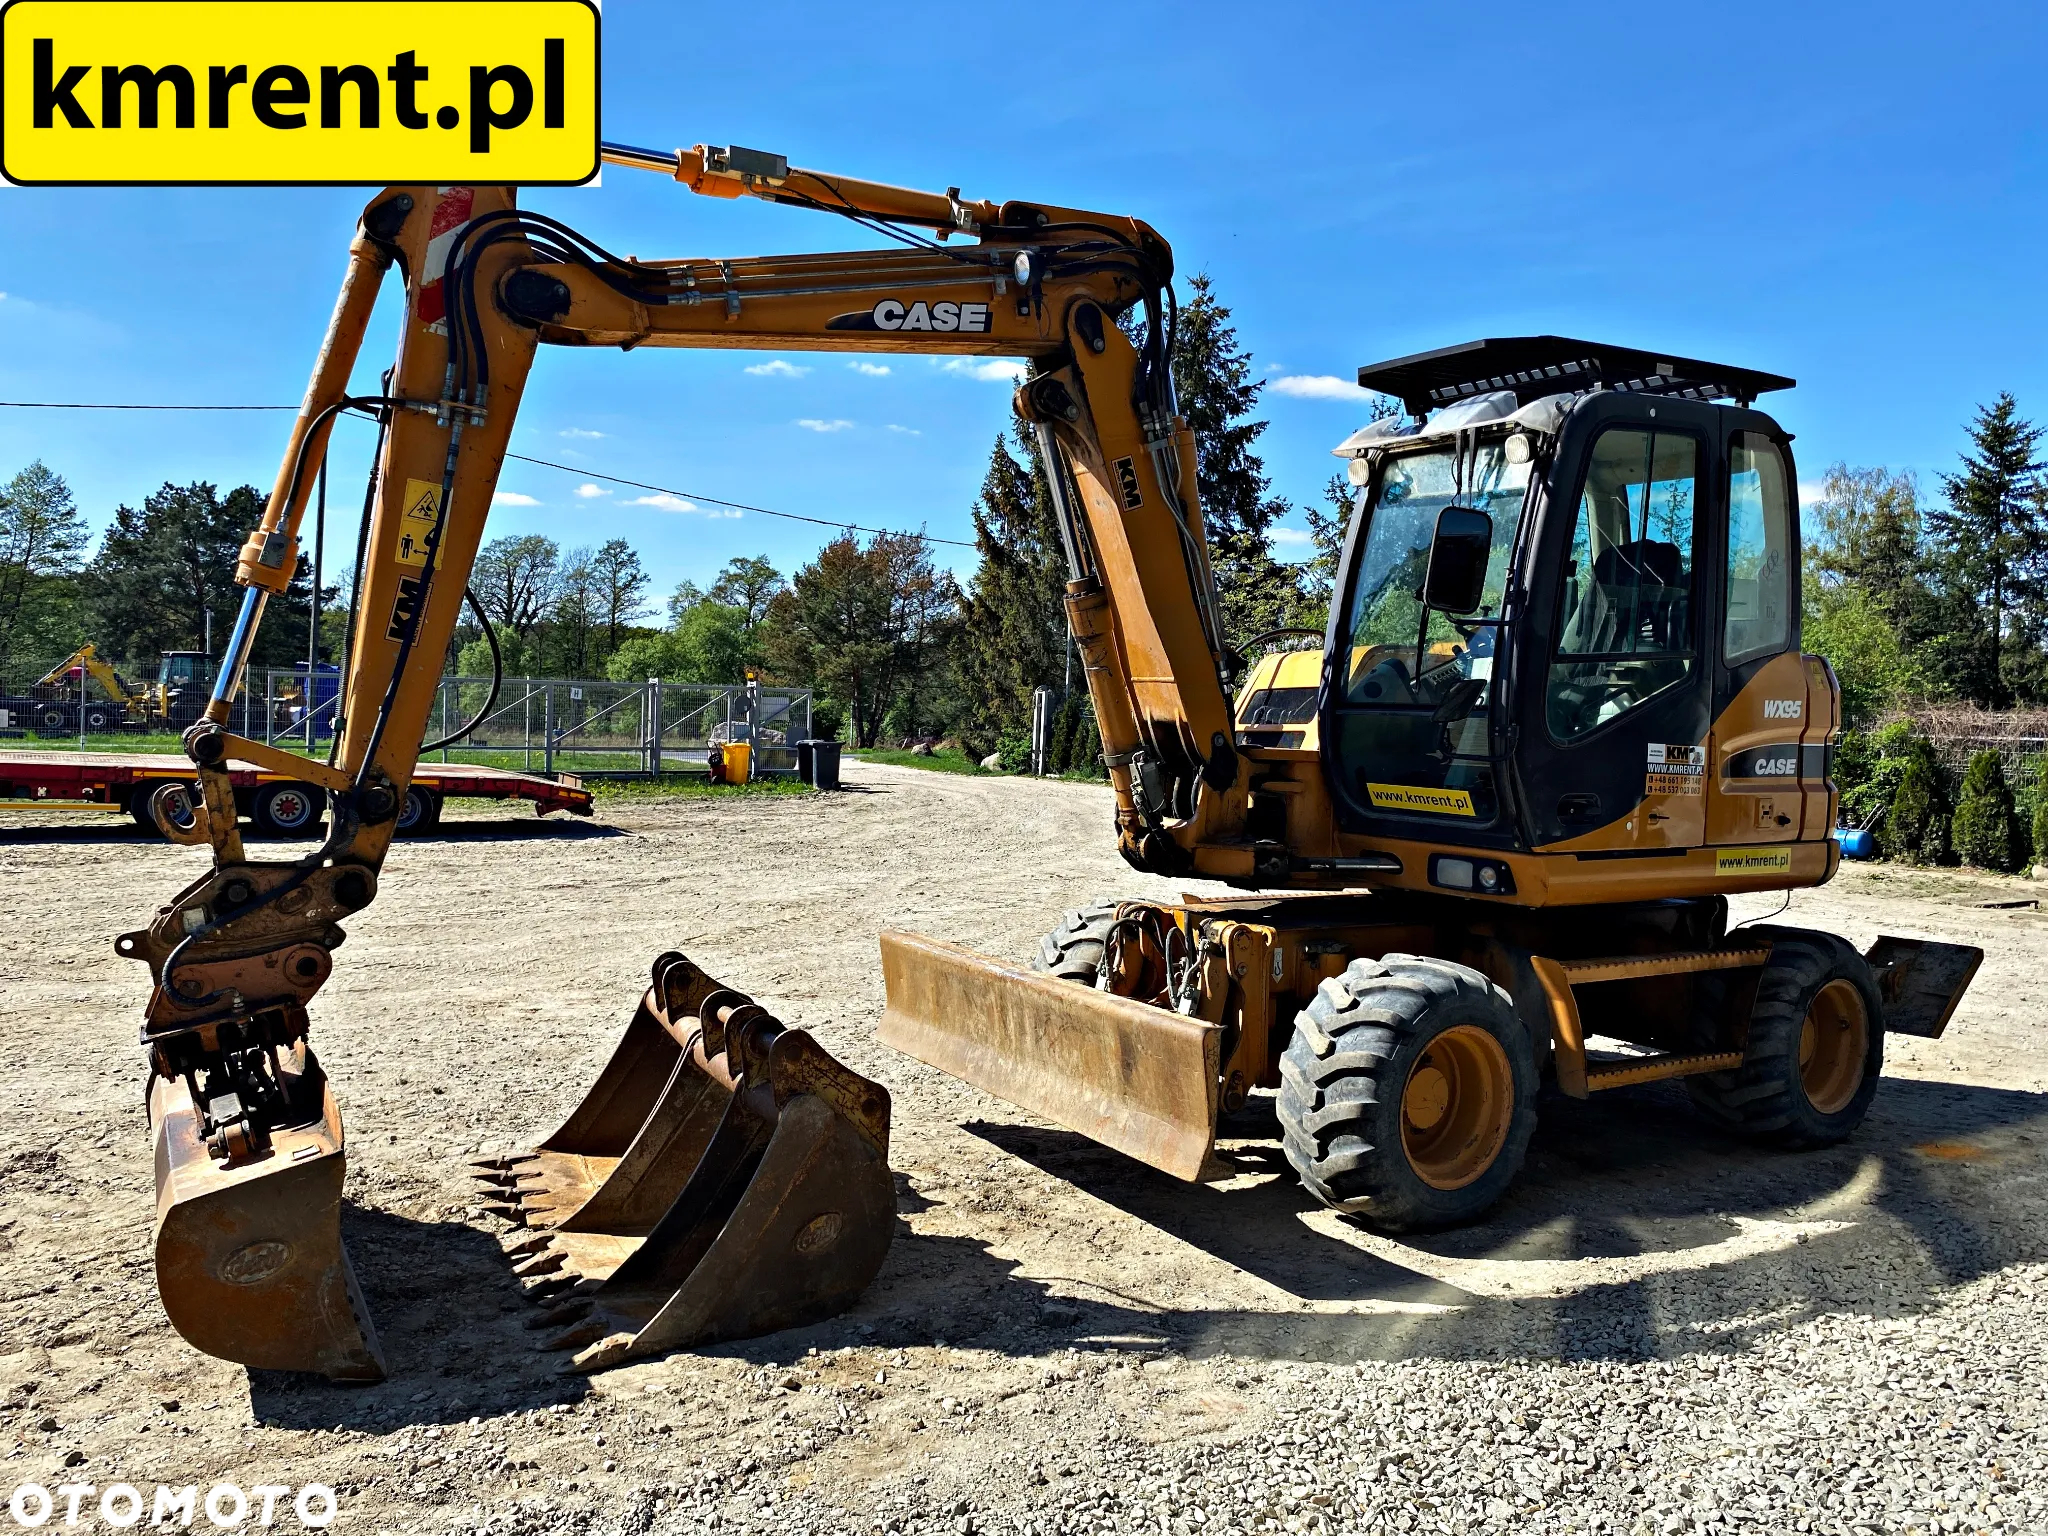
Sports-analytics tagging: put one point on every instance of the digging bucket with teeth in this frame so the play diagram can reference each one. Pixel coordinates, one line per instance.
(724, 1177)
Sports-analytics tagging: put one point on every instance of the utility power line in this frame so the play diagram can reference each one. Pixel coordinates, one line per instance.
(588, 474)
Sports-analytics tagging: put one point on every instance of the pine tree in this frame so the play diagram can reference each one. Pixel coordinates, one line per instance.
(42, 543)
(1992, 540)
(1013, 633)
(1212, 376)
(1987, 829)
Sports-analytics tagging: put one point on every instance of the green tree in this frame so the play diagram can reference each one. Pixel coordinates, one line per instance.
(42, 547)
(577, 614)
(748, 583)
(1992, 544)
(1918, 826)
(621, 589)
(1865, 533)
(709, 644)
(162, 568)
(1212, 376)
(516, 579)
(866, 625)
(1851, 628)
(1987, 829)
(1012, 638)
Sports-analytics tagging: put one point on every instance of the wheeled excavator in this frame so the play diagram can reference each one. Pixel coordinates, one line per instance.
(1558, 717)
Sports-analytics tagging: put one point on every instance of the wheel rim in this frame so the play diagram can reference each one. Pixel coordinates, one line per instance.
(1833, 1042)
(289, 808)
(411, 813)
(1456, 1107)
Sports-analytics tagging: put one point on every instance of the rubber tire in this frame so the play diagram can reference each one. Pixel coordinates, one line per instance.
(1073, 951)
(420, 813)
(1765, 1099)
(263, 811)
(1368, 1027)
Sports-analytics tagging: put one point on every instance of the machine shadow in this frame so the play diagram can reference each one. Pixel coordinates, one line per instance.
(1709, 1232)
(452, 1322)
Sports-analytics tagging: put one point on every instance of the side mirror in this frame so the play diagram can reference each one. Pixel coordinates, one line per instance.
(1457, 560)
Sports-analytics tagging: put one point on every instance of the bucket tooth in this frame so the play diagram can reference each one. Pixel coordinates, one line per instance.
(249, 1258)
(751, 1193)
(518, 1247)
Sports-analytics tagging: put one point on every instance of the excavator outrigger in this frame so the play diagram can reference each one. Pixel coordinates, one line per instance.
(1558, 716)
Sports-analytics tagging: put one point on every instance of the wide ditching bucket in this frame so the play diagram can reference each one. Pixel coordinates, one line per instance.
(724, 1177)
(1130, 1075)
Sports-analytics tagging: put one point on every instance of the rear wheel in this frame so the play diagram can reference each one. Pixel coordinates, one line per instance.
(421, 810)
(1408, 1093)
(289, 809)
(1073, 951)
(1815, 1048)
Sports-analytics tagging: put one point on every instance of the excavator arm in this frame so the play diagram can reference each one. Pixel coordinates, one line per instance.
(249, 1143)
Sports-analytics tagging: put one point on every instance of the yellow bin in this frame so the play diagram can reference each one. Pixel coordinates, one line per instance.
(736, 761)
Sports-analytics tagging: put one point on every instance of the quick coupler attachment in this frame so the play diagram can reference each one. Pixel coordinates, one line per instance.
(724, 1177)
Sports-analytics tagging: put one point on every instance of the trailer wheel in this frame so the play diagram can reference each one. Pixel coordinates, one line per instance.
(1073, 951)
(51, 718)
(1815, 1048)
(1408, 1093)
(421, 811)
(99, 721)
(288, 809)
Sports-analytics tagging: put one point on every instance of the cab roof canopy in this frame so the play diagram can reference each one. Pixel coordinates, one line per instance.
(1535, 366)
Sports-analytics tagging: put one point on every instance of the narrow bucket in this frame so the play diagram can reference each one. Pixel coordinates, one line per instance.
(249, 1260)
(724, 1177)
(1134, 1077)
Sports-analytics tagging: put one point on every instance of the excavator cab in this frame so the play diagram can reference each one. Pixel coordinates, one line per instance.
(1640, 577)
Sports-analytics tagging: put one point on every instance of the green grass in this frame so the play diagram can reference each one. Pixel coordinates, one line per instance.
(950, 760)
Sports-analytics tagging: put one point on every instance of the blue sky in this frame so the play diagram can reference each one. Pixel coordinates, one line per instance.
(1848, 194)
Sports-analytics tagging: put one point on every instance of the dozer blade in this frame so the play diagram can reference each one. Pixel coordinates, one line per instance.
(1134, 1077)
(249, 1260)
(724, 1177)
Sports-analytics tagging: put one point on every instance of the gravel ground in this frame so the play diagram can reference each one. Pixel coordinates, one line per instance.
(1660, 1330)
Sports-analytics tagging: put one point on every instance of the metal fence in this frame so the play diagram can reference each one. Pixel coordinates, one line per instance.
(2020, 756)
(572, 725)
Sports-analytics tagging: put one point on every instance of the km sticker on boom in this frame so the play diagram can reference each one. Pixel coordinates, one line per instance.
(306, 92)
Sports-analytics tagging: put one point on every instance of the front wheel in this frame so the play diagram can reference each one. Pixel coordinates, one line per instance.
(1408, 1093)
(1073, 951)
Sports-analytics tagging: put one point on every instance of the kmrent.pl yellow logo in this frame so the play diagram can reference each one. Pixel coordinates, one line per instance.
(1416, 797)
(210, 92)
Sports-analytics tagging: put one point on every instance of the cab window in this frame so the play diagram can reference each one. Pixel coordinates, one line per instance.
(1625, 614)
(1760, 566)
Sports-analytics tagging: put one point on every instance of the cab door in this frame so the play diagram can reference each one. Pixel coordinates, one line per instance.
(1614, 692)
(1773, 711)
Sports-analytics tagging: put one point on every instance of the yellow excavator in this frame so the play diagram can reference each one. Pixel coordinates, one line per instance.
(1558, 718)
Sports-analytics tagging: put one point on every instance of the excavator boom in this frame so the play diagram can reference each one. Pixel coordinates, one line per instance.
(725, 1175)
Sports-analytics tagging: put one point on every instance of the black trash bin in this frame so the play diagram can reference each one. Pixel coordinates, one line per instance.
(824, 764)
(803, 760)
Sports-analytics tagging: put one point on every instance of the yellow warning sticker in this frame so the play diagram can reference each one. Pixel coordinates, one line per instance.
(421, 517)
(1413, 797)
(1752, 861)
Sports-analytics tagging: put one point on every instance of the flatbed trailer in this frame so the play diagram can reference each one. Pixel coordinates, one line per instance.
(111, 782)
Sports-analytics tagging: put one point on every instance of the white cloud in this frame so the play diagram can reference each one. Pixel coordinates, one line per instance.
(1318, 386)
(579, 432)
(511, 499)
(997, 370)
(588, 491)
(1290, 536)
(665, 502)
(906, 431)
(872, 370)
(813, 424)
(1812, 492)
(776, 368)
(3, 297)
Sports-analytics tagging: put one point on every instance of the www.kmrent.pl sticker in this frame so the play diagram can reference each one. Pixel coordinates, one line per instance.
(298, 92)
